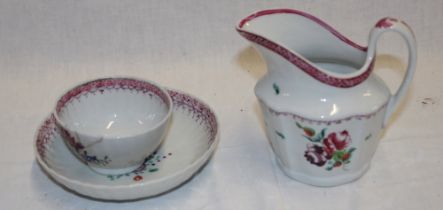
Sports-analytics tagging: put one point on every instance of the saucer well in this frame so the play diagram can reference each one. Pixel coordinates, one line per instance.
(189, 143)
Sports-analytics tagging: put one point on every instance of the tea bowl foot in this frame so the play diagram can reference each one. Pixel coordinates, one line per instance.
(108, 171)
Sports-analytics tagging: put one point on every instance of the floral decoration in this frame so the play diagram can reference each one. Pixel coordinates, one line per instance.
(150, 165)
(327, 150)
(80, 150)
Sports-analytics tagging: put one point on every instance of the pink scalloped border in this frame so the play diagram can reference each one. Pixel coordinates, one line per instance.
(201, 112)
(101, 85)
(326, 122)
(301, 63)
(44, 136)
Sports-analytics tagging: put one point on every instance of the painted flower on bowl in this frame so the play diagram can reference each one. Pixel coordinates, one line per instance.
(77, 146)
(80, 150)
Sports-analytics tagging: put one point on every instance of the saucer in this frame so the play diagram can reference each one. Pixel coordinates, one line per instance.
(189, 143)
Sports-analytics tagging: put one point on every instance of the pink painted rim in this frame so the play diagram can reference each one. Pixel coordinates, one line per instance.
(201, 111)
(309, 16)
(386, 22)
(124, 83)
(301, 62)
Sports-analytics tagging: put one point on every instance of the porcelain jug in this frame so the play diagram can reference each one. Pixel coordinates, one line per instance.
(323, 108)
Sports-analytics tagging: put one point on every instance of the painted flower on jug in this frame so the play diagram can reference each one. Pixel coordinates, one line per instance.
(315, 155)
(332, 143)
(329, 150)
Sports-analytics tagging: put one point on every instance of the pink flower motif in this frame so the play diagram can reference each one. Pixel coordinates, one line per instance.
(316, 155)
(138, 178)
(332, 143)
(329, 150)
(71, 140)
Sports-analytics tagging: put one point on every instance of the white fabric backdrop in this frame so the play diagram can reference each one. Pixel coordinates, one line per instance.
(47, 46)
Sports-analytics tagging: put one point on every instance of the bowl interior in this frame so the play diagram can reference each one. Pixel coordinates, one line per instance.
(114, 111)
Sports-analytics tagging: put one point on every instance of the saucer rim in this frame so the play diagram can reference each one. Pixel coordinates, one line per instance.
(74, 184)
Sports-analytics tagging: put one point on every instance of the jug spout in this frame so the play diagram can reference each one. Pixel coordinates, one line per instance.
(304, 53)
(290, 38)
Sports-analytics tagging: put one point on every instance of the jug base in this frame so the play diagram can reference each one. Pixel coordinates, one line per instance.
(321, 181)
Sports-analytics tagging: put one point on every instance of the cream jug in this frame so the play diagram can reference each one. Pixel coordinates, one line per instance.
(323, 108)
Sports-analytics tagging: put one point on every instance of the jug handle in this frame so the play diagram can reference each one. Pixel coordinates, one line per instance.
(400, 27)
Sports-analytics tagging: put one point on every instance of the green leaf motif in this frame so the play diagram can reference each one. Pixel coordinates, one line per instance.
(298, 125)
(337, 156)
(111, 177)
(310, 134)
(323, 131)
(276, 88)
(280, 135)
(319, 137)
(352, 149)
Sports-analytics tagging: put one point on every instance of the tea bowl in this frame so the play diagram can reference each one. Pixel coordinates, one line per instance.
(112, 124)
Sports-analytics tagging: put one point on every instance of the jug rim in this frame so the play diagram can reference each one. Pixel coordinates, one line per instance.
(326, 77)
(306, 15)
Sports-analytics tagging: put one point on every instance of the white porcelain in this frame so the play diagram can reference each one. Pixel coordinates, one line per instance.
(323, 109)
(189, 143)
(112, 124)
